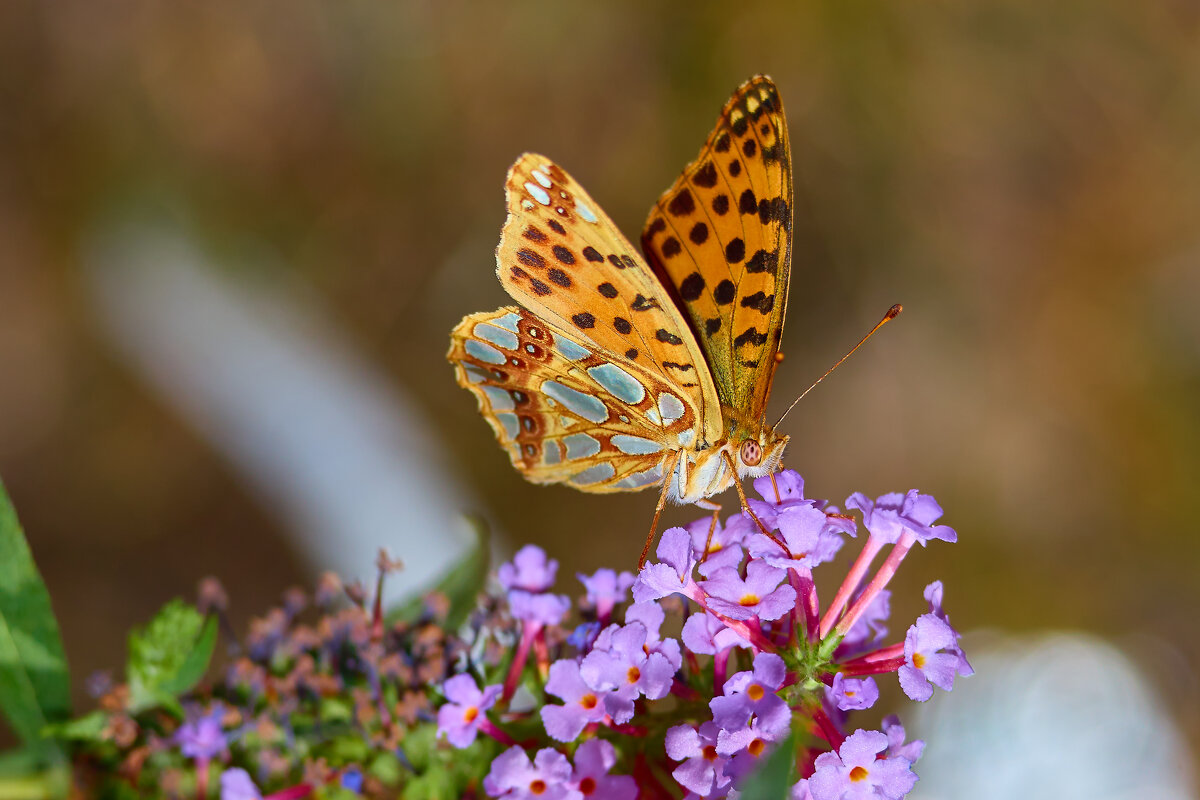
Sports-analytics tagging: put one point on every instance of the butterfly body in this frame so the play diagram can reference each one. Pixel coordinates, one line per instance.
(619, 372)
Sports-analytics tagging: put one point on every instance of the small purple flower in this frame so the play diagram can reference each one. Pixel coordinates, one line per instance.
(791, 493)
(513, 776)
(236, 784)
(757, 595)
(538, 608)
(924, 661)
(753, 693)
(652, 616)
(725, 550)
(703, 768)
(529, 570)
(806, 531)
(605, 589)
(933, 596)
(747, 744)
(890, 516)
(582, 704)
(352, 779)
(705, 633)
(672, 574)
(852, 694)
(459, 719)
(202, 737)
(897, 747)
(854, 771)
(593, 760)
(619, 662)
(584, 635)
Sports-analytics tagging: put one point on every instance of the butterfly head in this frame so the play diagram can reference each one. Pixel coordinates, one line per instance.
(759, 454)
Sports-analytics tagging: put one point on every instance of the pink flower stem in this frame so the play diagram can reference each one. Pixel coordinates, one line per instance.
(680, 689)
(806, 596)
(292, 792)
(529, 631)
(828, 730)
(885, 573)
(882, 654)
(853, 579)
(489, 727)
(201, 778)
(542, 654)
(720, 671)
(872, 667)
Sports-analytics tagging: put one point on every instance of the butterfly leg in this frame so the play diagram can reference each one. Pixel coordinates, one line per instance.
(709, 505)
(673, 459)
(746, 506)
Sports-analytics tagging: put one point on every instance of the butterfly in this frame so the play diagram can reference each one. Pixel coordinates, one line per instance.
(617, 372)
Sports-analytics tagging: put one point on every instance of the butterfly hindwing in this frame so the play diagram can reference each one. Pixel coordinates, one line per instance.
(564, 260)
(563, 411)
(721, 237)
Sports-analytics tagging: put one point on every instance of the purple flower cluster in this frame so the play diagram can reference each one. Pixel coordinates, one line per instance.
(748, 599)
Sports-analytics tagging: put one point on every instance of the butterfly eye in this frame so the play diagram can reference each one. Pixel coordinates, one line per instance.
(751, 453)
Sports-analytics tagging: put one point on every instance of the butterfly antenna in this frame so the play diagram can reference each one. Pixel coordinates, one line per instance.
(891, 314)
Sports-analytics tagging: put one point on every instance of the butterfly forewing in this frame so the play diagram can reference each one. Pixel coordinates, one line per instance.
(562, 409)
(721, 237)
(564, 260)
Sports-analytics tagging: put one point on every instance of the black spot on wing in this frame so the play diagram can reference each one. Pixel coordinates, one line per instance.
(763, 261)
(643, 303)
(556, 275)
(722, 143)
(735, 251)
(691, 287)
(750, 148)
(699, 233)
(563, 254)
(706, 176)
(735, 168)
(750, 336)
(530, 258)
(628, 261)
(584, 320)
(677, 365)
(759, 301)
(725, 292)
(740, 125)
(657, 226)
(631, 353)
(711, 326)
(671, 247)
(748, 203)
(664, 335)
(682, 203)
(557, 227)
(593, 255)
(607, 289)
(622, 325)
(720, 205)
(534, 235)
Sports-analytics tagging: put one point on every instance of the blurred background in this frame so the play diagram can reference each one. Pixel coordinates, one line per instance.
(234, 237)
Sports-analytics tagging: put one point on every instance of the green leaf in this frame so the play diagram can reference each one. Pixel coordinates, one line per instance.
(169, 656)
(88, 728)
(35, 688)
(462, 584)
(773, 779)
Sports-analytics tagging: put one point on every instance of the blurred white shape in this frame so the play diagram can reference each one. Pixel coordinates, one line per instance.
(332, 447)
(1061, 717)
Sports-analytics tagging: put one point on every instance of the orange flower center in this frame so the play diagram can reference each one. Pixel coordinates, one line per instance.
(588, 701)
(918, 661)
(634, 675)
(755, 692)
(749, 600)
(537, 787)
(858, 774)
(587, 785)
(710, 753)
(756, 747)
(470, 714)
